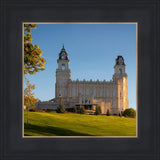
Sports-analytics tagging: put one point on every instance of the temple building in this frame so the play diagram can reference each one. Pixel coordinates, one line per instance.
(112, 95)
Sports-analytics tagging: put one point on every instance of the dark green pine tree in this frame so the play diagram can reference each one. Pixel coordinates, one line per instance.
(98, 110)
(108, 113)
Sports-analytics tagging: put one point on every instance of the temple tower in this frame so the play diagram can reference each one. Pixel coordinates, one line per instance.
(63, 74)
(120, 78)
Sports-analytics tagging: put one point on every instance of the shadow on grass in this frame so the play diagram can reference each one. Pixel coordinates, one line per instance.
(50, 131)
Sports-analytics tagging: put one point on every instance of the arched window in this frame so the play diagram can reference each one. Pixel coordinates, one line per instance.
(120, 104)
(65, 93)
(62, 56)
(66, 81)
(86, 100)
(87, 91)
(120, 70)
(113, 103)
(113, 92)
(73, 92)
(107, 92)
(100, 92)
(63, 67)
(60, 82)
(120, 94)
(94, 92)
(80, 91)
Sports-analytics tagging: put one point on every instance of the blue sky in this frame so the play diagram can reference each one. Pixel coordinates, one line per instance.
(92, 50)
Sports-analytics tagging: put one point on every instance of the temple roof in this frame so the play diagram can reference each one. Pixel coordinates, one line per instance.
(63, 54)
(120, 60)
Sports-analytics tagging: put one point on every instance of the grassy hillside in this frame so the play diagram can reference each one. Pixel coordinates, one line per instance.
(70, 124)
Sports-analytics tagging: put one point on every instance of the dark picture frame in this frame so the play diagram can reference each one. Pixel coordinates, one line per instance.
(13, 146)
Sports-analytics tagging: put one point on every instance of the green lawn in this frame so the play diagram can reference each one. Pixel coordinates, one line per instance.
(70, 124)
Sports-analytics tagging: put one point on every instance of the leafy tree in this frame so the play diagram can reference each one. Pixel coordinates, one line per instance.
(130, 112)
(82, 110)
(29, 99)
(33, 60)
(108, 113)
(98, 110)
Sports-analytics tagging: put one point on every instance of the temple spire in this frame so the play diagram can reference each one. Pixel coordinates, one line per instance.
(63, 46)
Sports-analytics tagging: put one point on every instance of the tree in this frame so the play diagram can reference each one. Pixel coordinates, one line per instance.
(130, 112)
(33, 60)
(98, 110)
(108, 113)
(29, 100)
(75, 109)
(82, 110)
(61, 108)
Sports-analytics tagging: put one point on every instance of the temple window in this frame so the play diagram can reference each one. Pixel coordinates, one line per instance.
(87, 91)
(100, 93)
(73, 91)
(66, 81)
(65, 93)
(63, 67)
(120, 70)
(107, 92)
(113, 92)
(60, 82)
(120, 94)
(94, 92)
(113, 103)
(80, 91)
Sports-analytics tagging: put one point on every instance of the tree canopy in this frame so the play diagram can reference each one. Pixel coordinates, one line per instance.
(130, 112)
(33, 60)
(29, 99)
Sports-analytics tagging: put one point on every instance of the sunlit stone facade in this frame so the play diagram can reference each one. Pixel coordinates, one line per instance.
(112, 95)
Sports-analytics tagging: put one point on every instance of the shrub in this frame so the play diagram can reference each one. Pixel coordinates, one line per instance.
(32, 110)
(130, 112)
(108, 113)
(47, 110)
(78, 107)
(98, 110)
(75, 109)
(82, 110)
(61, 109)
(69, 109)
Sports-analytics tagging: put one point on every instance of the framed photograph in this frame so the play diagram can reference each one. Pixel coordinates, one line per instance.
(86, 102)
(79, 80)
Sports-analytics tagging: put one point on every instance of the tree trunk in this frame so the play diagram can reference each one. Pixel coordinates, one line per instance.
(27, 115)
